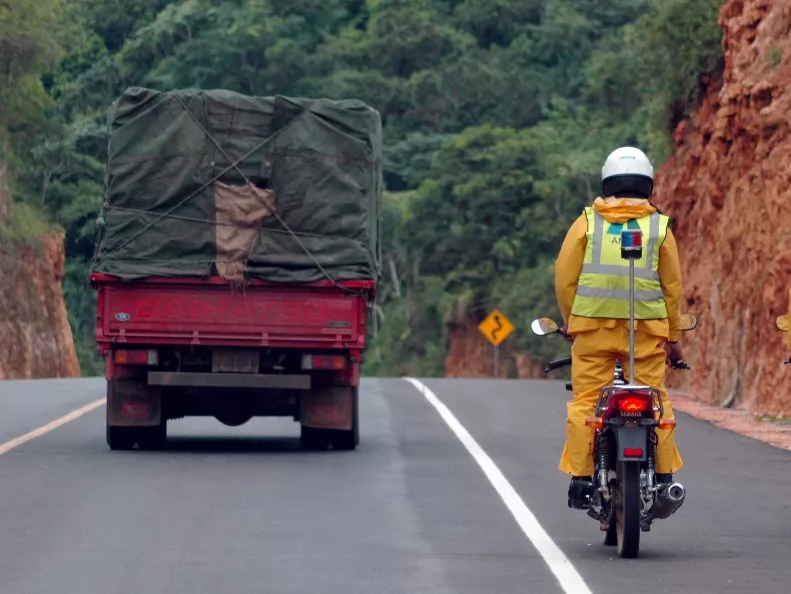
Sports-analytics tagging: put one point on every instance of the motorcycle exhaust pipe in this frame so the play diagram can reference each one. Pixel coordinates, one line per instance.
(668, 503)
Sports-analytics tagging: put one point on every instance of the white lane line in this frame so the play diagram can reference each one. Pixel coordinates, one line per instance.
(75, 414)
(570, 580)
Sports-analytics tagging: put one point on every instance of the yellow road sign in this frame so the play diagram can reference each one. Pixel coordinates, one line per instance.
(496, 327)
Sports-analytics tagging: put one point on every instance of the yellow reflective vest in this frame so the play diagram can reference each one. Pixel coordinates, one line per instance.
(603, 287)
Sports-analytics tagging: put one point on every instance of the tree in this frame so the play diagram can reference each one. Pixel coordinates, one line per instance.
(497, 116)
(27, 47)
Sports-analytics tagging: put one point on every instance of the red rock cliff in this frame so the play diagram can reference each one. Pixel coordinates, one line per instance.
(35, 336)
(728, 187)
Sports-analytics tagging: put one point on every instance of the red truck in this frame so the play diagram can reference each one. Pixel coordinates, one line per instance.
(192, 347)
(184, 333)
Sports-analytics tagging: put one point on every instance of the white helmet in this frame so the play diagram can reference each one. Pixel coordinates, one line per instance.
(627, 170)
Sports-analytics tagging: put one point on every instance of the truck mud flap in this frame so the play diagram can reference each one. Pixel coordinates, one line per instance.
(131, 403)
(327, 407)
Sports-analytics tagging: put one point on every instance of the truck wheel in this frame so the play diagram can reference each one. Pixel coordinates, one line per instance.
(152, 438)
(120, 438)
(348, 440)
(314, 439)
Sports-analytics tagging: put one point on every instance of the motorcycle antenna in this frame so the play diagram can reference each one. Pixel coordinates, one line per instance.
(631, 250)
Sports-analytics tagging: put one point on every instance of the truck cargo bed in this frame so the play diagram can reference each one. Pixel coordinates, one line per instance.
(175, 311)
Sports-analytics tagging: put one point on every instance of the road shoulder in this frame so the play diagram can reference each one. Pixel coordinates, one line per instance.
(742, 422)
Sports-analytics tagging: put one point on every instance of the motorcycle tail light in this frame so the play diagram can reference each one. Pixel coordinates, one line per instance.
(633, 452)
(633, 404)
(629, 403)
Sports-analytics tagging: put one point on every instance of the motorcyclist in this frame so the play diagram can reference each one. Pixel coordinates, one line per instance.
(592, 289)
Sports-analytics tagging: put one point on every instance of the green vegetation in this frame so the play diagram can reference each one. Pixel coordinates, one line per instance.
(497, 116)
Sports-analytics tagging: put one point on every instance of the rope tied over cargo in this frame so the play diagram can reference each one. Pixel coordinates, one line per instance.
(215, 179)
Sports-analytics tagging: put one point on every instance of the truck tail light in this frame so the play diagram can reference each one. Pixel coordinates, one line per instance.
(135, 357)
(331, 362)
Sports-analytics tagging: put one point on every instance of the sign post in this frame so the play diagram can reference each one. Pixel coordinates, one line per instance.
(496, 328)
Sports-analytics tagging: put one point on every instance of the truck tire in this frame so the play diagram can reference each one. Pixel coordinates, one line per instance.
(152, 438)
(314, 439)
(120, 438)
(348, 440)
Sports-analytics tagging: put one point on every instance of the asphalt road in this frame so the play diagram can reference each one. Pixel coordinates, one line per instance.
(243, 510)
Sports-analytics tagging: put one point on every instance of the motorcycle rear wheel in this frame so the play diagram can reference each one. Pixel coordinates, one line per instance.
(627, 510)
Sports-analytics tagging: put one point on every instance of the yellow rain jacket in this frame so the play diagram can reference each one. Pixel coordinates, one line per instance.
(572, 254)
(599, 341)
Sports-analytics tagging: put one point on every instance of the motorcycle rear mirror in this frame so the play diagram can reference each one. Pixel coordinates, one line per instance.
(688, 322)
(544, 326)
(782, 322)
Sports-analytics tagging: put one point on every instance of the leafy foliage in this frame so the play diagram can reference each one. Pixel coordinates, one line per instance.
(497, 116)
(26, 48)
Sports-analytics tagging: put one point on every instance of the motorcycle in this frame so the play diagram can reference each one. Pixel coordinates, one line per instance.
(626, 497)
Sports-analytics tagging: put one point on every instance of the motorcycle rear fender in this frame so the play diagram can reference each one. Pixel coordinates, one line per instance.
(631, 436)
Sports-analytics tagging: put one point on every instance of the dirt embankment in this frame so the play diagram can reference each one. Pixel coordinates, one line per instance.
(35, 336)
(471, 355)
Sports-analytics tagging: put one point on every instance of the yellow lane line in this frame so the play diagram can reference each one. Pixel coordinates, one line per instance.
(75, 414)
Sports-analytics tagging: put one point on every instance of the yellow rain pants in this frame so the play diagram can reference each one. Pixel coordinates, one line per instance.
(594, 353)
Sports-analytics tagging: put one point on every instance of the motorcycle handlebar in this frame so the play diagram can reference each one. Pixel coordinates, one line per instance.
(557, 364)
(565, 361)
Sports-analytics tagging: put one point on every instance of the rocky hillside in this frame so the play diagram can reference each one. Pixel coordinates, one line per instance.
(729, 189)
(35, 336)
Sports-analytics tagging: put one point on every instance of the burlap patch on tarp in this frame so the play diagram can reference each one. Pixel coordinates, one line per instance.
(240, 210)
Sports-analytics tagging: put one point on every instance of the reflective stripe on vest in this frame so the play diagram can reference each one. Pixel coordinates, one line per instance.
(597, 267)
(603, 288)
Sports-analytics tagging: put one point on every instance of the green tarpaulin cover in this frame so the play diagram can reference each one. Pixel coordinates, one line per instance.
(204, 183)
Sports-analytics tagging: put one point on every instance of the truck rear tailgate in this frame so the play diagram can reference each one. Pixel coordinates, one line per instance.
(210, 312)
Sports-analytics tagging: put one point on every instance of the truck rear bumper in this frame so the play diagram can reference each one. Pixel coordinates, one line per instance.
(229, 380)
(211, 313)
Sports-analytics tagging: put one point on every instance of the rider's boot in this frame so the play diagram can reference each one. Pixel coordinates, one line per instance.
(664, 479)
(580, 492)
